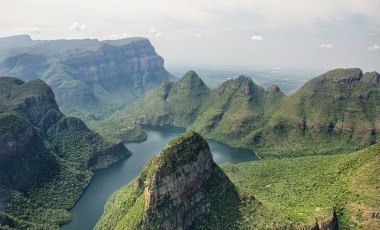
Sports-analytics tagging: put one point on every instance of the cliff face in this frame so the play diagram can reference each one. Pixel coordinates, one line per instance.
(44, 154)
(134, 64)
(23, 156)
(33, 99)
(176, 193)
(87, 73)
(173, 190)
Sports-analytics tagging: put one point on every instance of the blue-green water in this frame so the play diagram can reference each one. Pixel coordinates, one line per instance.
(89, 208)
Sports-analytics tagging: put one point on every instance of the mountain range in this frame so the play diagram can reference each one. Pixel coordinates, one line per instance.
(334, 113)
(90, 78)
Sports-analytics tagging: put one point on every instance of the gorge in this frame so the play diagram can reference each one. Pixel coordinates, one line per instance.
(90, 207)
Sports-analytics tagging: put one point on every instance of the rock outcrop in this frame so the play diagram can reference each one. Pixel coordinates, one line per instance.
(86, 73)
(273, 89)
(343, 76)
(175, 188)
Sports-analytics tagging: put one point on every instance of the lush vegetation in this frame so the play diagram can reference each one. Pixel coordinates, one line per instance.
(307, 189)
(125, 200)
(46, 159)
(334, 113)
(178, 153)
(304, 192)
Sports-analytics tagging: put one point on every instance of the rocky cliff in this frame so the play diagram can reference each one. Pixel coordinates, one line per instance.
(174, 190)
(86, 73)
(46, 158)
(24, 158)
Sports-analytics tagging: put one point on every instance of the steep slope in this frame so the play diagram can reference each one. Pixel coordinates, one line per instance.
(179, 189)
(177, 104)
(36, 187)
(338, 111)
(67, 136)
(334, 113)
(89, 77)
(314, 190)
(231, 110)
(46, 158)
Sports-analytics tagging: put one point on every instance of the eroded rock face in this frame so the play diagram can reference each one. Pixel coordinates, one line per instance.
(343, 76)
(273, 89)
(134, 63)
(176, 194)
(33, 100)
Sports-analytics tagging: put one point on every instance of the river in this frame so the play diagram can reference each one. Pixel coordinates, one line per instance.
(89, 208)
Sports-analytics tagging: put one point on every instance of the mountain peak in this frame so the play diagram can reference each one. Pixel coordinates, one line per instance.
(181, 150)
(242, 83)
(191, 81)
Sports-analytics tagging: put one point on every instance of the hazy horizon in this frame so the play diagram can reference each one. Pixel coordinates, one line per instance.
(293, 34)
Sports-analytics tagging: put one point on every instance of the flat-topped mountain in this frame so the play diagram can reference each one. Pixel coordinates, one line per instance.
(46, 158)
(86, 75)
(178, 189)
(335, 112)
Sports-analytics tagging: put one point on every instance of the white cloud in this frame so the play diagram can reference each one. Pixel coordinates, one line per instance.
(158, 34)
(374, 47)
(326, 46)
(77, 27)
(153, 32)
(198, 35)
(35, 30)
(256, 38)
(119, 36)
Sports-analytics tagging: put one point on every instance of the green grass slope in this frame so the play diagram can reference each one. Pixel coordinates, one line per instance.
(308, 189)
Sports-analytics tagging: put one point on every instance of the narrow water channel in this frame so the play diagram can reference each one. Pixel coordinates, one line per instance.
(89, 208)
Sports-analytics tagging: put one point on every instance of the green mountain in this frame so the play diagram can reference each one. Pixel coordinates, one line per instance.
(90, 78)
(182, 188)
(46, 158)
(334, 113)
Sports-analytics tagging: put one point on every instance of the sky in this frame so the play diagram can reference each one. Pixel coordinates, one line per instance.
(298, 34)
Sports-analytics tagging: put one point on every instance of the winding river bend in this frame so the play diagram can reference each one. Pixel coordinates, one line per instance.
(89, 208)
